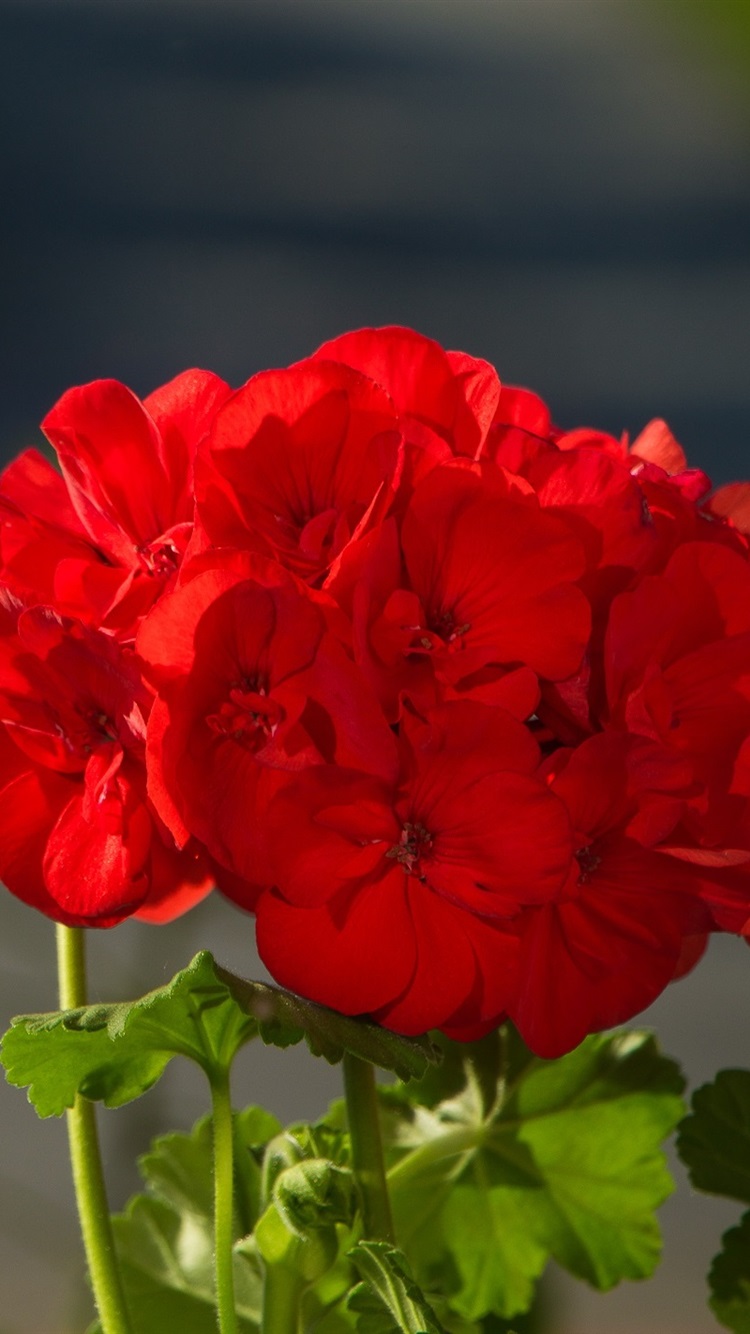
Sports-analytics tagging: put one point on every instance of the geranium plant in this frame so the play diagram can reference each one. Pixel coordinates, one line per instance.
(457, 704)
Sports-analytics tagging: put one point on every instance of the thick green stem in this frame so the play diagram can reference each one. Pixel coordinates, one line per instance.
(367, 1147)
(282, 1292)
(223, 1202)
(85, 1157)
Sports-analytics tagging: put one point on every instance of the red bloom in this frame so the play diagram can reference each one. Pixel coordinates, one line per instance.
(396, 896)
(252, 686)
(300, 463)
(631, 505)
(677, 659)
(611, 943)
(459, 701)
(77, 837)
(445, 400)
(476, 600)
(104, 540)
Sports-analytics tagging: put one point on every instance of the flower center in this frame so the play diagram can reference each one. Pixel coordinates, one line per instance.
(415, 842)
(160, 559)
(249, 716)
(588, 863)
(443, 623)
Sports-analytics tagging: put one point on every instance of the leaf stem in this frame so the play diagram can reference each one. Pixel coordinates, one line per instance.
(367, 1147)
(454, 1143)
(223, 1135)
(85, 1155)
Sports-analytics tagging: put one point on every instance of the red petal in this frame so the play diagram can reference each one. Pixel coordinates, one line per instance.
(599, 959)
(29, 807)
(657, 445)
(182, 411)
(446, 967)
(177, 882)
(356, 953)
(105, 438)
(93, 871)
(32, 486)
(733, 502)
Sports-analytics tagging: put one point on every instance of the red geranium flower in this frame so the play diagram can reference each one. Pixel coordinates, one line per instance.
(78, 839)
(300, 463)
(611, 943)
(476, 599)
(677, 659)
(252, 686)
(104, 540)
(395, 896)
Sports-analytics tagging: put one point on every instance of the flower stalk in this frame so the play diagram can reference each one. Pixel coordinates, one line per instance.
(223, 1201)
(282, 1294)
(367, 1147)
(85, 1156)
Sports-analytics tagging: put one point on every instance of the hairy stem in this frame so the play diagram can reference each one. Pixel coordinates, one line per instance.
(223, 1201)
(85, 1156)
(367, 1147)
(282, 1291)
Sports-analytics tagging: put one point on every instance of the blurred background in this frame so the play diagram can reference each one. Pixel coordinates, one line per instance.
(559, 186)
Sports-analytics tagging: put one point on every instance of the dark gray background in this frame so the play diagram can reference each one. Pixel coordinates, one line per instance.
(561, 186)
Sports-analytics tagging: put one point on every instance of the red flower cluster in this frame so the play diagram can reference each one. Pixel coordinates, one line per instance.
(457, 703)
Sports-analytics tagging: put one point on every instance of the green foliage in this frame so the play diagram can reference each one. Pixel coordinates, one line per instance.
(306, 1198)
(389, 1301)
(179, 1168)
(114, 1053)
(530, 1159)
(165, 1238)
(498, 1161)
(714, 1142)
(729, 1279)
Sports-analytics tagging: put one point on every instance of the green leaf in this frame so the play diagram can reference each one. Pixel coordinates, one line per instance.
(165, 1240)
(284, 1019)
(179, 1168)
(729, 1278)
(500, 1057)
(545, 1158)
(714, 1141)
(389, 1301)
(166, 1262)
(114, 1053)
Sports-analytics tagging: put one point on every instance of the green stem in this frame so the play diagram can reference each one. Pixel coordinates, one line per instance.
(282, 1291)
(453, 1144)
(223, 1201)
(85, 1157)
(367, 1147)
